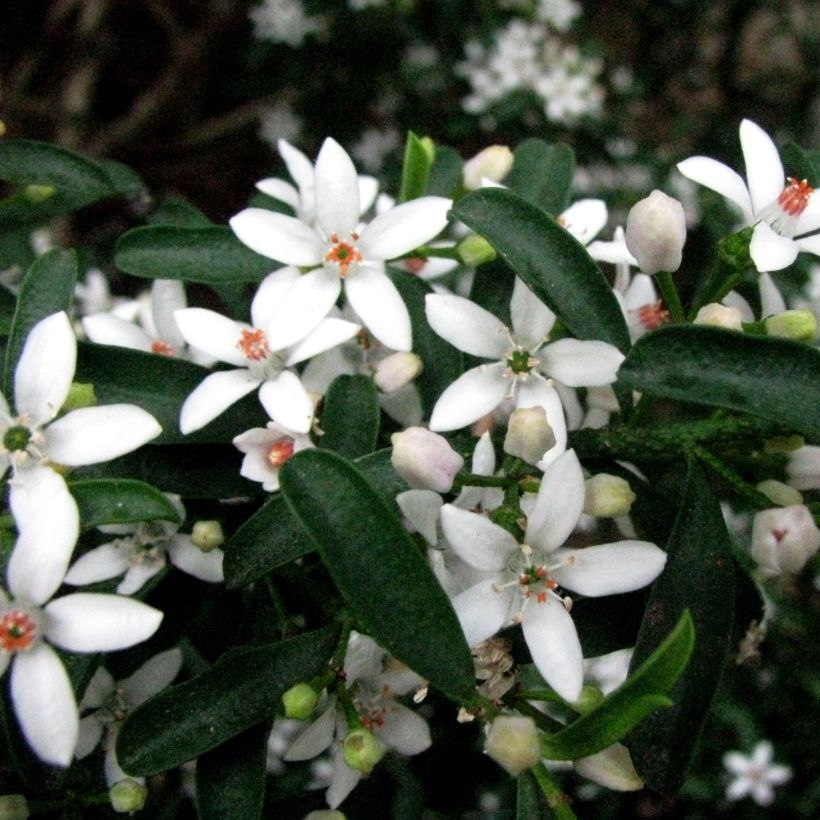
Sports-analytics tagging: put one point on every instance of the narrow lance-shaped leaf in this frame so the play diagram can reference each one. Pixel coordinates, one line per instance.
(419, 155)
(350, 418)
(699, 576)
(530, 802)
(378, 569)
(775, 379)
(120, 501)
(553, 264)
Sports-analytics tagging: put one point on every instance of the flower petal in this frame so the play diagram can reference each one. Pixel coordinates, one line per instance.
(471, 396)
(107, 329)
(404, 730)
(579, 363)
(764, 171)
(380, 306)
(152, 677)
(215, 395)
(532, 320)
(467, 326)
(100, 564)
(316, 737)
(721, 178)
(212, 333)
(476, 539)
(405, 227)
(343, 782)
(559, 504)
(167, 297)
(89, 736)
(327, 334)
(299, 166)
(770, 299)
(280, 190)
(270, 293)
(584, 219)
(421, 508)
(283, 238)
(481, 610)
(287, 402)
(337, 190)
(769, 250)
(206, 566)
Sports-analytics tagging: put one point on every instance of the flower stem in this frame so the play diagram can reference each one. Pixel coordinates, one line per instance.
(670, 296)
(558, 801)
(757, 499)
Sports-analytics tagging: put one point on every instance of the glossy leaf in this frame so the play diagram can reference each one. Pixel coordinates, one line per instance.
(802, 163)
(378, 569)
(767, 377)
(446, 177)
(350, 418)
(554, 265)
(179, 212)
(699, 577)
(416, 168)
(240, 690)
(210, 255)
(542, 173)
(120, 501)
(530, 802)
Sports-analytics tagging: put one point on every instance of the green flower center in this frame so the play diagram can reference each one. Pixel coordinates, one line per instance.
(16, 438)
(520, 361)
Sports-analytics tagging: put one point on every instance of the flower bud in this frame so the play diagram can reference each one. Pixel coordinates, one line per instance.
(36, 194)
(803, 468)
(127, 796)
(299, 701)
(612, 768)
(590, 697)
(13, 807)
(719, 315)
(475, 250)
(397, 370)
(362, 750)
(513, 743)
(779, 493)
(79, 395)
(607, 496)
(783, 539)
(492, 163)
(325, 814)
(655, 233)
(425, 460)
(800, 325)
(207, 535)
(529, 434)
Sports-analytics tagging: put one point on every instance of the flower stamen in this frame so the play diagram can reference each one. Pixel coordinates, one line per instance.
(280, 451)
(162, 348)
(254, 344)
(343, 254)
(17, 631)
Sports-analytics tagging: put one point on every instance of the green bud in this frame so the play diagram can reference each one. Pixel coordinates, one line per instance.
(13, 807)
(207, 535)
(800, 325)
(299, 701)
(325, 814)
(475, 250)
(590, 697)
(127, 796)
(779, 493)
(362, 750)
(513, 743)
(608, 496)
(733, 251)
(429, 149)
(79, 395)
(38, 193)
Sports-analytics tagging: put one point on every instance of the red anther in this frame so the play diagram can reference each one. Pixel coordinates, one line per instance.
(17, 631)
(653, 315)
(162, 348)
(254, 344)
(551, 584)
(795, 196)
(343, 254)
(541, 597)
(541, 572)
(779, 535)
(280, 451)
(415, 264)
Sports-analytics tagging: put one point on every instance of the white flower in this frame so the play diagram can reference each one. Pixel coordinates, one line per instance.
(283, 21)
(755, 774)
(340, 251)
(656, 232)
(266, 449)
(784, 539)
(522, 580)
(779, 208)
(803, 468)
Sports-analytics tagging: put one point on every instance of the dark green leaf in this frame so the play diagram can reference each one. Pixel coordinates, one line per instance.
(801, 163)
(124, 180)
(554, 265)
(775, 379)
(542, 174)
(642, 692)
(446, 174)
(416, 168)
(240, 690)
(530, 802)
(180, 213)
(378, 569)
(699, 576)
(492, 289)
(350, 418)
(120, 501)
(210, 255)
(47, 288)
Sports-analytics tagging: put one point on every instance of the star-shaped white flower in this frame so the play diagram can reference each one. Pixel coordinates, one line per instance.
(339, 251)
(779, 208)
(266, 450)
(755, 775)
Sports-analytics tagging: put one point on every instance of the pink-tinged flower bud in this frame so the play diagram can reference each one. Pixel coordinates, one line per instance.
(425, 460)
(784, 539)
(362, 750)
(803, 468)
(800, 325)
(492, 163)
(779, 493)
(719, 315)
(513, 743)
(127, 796)
(607, 496)
(397, 370)
(655, 233)
(529, 434)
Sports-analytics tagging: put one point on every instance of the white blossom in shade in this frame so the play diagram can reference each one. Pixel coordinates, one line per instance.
(266, 450)
(107, 703)
(524, 365)
(142, 550)
(560, 14)
(803, 468)
(755, 775)
(784, 539)
(259, 362)
(781, 210)
(374, 146)
(31, 621)
(283, 21)
(93, 296)
(523, 580)
(340, 251)
(279, 122)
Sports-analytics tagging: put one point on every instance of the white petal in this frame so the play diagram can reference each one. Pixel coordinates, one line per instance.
(611, 768)
(215, 395)
(404, 731)
(585, 219)
(344, 780)
(641, 291)
(481, 610)
(207, 566)
(93, 622)
(299, 166)
(579, 363)
(559, 504)
(48, 523)
(139, 575)
(283, 238)
(368, 190)
(810, 244)
(380, 306)
(483, 463)
(337, 190)
(287, 402)
(609, 569)
(764, 171)
(316, 737)
(735, 300)
(553, 643)
(100, 564)
(99, 689)
(532, 320)
(45, 369)
(44, 704)
(471, 396)
(403, 405)
(270, 293)
(91, 435)
(327, 334)
(467, 326)
(152, 677)
(770, 299)
(769, 250)
(405, 227)
(809, 220)
(212, 333)
(421, 508)
(476, 539)
(721, 178)
(107, 329)
(167, 297)
(89, 737)
(113, 771)
(281, 190)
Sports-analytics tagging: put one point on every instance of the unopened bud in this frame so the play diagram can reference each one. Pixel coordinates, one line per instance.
(79, 395)
(779, 493)
(325, 814)
(38, 193)
(207, 535)
(719, 315)
(299, 701)
(397, 370)
(800, 325)
(611, 768)
(492, 163)
(425, 460)
(513, 743)
(13, 806)
(656, 232)
(590, 697)
(362, 750)
(529, 434)
(127, 796)
(475, 250)
(608, 496)
(803, 468)
(783, 539)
